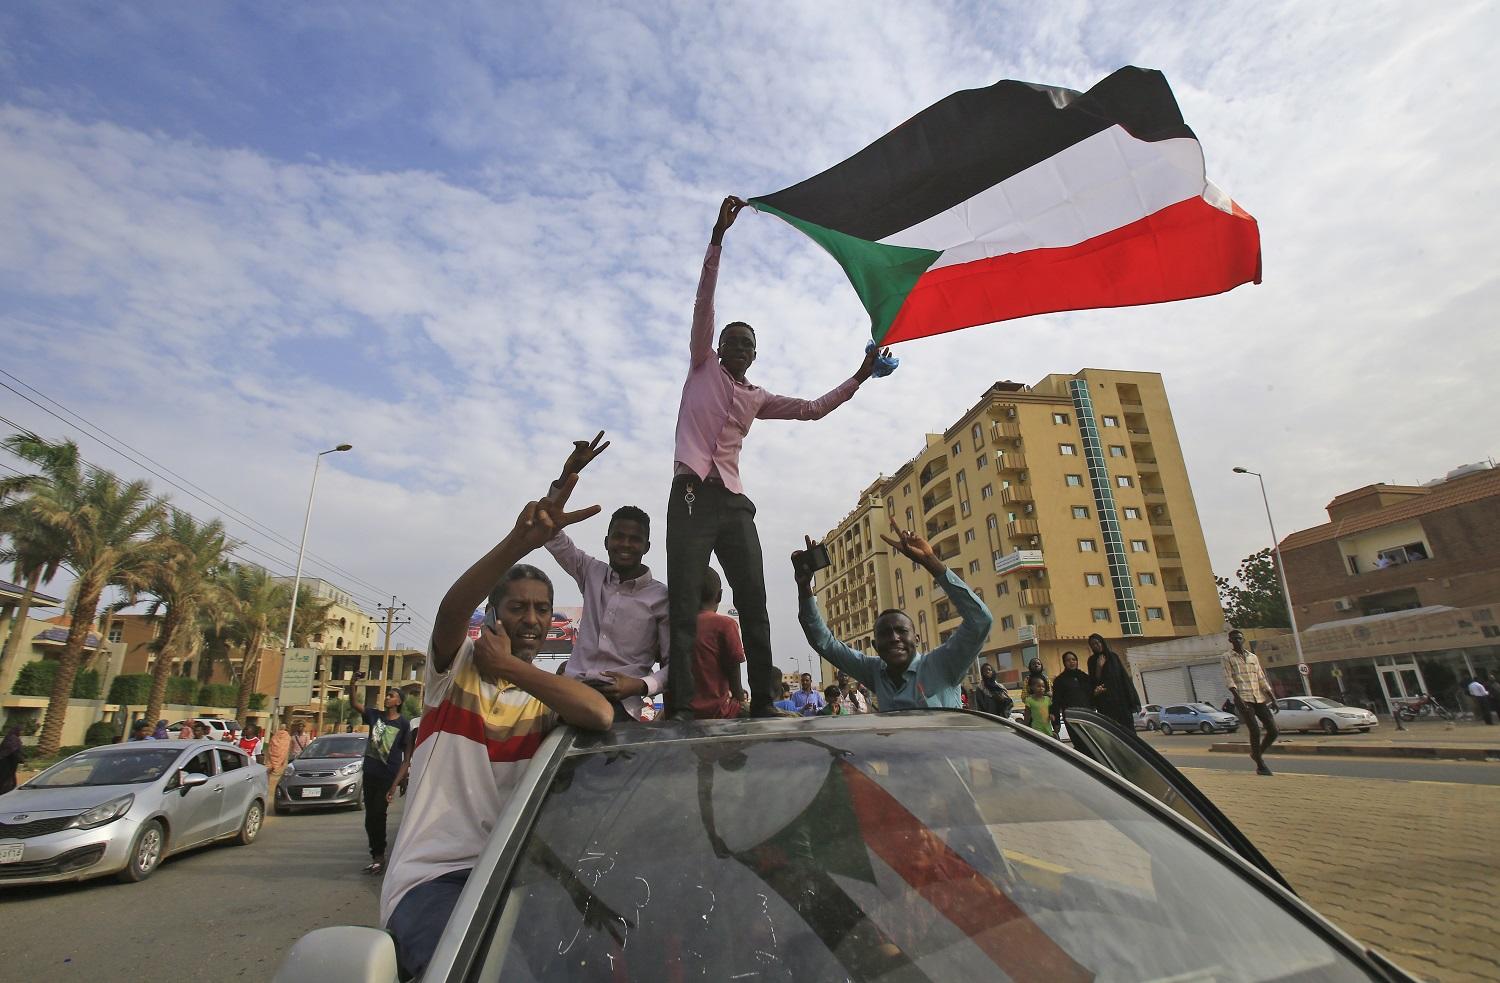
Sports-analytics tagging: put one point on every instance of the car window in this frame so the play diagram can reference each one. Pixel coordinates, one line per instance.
(107, 768)
(1174, 710)
(230, 760)
(1322, 703)
(336, 746)
(908, 854)
(1297, 705)
(201, 763)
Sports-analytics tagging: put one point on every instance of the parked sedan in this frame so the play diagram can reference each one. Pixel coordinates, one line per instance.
(1198, 717)
(1321, 713)
(866, 847)
(328, 775)
(123, 808)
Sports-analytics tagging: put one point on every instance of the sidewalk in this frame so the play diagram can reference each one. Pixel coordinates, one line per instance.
(1460, 740)
(1410, 868)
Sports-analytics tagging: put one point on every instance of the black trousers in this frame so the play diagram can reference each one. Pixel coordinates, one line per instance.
(721, 523)
(1253, 714)
(377, 784)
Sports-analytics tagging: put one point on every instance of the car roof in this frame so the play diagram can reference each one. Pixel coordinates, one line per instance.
(624, 735)
(171, 744)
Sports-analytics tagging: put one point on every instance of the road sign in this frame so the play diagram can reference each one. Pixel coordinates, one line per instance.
(297, 677)
(1304, 668)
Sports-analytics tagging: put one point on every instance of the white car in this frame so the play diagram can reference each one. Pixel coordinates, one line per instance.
(1148, 717)
(1321, 713)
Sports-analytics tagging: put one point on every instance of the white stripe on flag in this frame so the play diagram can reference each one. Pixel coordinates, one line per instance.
(1095, 186)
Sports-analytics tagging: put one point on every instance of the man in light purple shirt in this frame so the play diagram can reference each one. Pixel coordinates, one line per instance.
(624, 632)
(708, 511)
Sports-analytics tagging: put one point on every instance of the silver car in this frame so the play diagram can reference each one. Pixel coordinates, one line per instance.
(328, 774)
(123, 808)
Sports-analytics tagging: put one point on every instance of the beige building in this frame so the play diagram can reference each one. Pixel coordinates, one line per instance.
(1066, 505)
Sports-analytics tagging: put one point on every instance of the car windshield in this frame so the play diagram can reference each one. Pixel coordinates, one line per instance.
(1205, 708)
(108, 768)
(342, 746)
(949, 853)
(1322, 703)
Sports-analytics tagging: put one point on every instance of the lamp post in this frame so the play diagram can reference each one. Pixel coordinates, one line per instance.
(291, 615)
(1286, 592)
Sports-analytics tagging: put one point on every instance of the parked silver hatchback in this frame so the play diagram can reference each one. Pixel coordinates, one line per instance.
(124, 808)
(328, 774)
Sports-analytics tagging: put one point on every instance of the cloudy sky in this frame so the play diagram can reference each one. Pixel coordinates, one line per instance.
(458, 236)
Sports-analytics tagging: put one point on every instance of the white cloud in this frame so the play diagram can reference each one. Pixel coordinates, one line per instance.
(524, 273)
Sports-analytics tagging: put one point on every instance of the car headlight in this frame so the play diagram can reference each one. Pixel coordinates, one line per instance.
(106, 813)
(350, 769)
(1352, 715)
(291, 769)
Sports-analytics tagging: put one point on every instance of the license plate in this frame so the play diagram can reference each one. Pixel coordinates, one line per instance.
(11, 852)
(312, 793)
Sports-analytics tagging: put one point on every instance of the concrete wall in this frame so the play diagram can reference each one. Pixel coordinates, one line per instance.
(83, 713)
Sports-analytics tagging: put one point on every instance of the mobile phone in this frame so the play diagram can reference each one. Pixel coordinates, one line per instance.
(812, 559)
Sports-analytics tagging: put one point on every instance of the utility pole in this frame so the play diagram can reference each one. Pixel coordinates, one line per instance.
(391, 624)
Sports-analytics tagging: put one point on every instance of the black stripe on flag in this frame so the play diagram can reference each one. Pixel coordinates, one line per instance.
(975, 139)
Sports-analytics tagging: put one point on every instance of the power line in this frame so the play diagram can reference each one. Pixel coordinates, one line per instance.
(216, 502)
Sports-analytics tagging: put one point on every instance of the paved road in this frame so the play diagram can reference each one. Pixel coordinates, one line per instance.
(221, 913)
(1191, 751)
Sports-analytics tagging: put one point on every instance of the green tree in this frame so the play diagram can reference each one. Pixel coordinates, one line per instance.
(1256, 601)
(103, 523)
(255, 603)
(35, 550)
(185, 577)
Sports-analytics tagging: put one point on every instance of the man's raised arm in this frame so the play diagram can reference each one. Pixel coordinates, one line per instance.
(702, 346)
(844, 658)
(794, 408)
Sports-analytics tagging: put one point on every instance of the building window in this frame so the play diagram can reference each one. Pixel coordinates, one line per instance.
(992, 522)
(917, 591)
(1086, 546)
(963, 508)
(1124, 481)
(1073, 480)
(1148, 579)
(957, 447)
(1153, 614)
(973, 566)
(1031, 619)
(1101, 614)
(890, 506)
(986, 492)
(908, 517)
(1116, 450)
(1093, 580)
(984, 461)
(1061, 418)
(1080, 511)
(1066, 450)
(968, 535)
(906, 488)
(977, 433)
(1132, 513)
(115, 630)
(1001, 589)
(1008, 622)
(1111, 421)
(1138, 546)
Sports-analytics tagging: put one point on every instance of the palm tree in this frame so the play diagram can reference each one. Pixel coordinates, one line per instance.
(312, 617)
(103, 522)
(255, 603)
(184, 579)
(35, 551)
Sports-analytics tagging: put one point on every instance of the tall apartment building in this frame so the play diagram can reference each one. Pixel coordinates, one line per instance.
(1065, 504)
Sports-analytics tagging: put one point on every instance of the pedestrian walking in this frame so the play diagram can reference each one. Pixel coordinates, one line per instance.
(1072, 689)
(390, 736)
(10, 758)
(1480, 694)
(1253, 697)
(1113, 692)
(278, 751)
(300, 739)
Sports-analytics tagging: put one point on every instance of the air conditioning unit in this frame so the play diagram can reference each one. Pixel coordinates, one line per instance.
(1034, 540)
(1010, 413)
(1046, 611)
(1343, 604)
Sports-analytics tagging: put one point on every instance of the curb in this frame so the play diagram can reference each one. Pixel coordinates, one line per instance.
(1448, 752)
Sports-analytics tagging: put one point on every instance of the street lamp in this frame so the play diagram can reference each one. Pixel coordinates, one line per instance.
(1286, 592)
(301, 549)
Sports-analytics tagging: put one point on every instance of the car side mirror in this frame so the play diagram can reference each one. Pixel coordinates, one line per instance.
(340, 954)
(188, 779)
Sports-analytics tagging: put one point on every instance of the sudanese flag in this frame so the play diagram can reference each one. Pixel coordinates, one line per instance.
(1022, 199)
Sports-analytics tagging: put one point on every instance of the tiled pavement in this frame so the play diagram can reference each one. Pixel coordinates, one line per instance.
(1411, 868)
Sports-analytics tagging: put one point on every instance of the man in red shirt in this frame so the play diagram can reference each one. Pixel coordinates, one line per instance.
(717, 654)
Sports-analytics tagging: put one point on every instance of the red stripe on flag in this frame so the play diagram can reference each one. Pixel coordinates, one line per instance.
(1190, 249)
(450, 719)
(997, 925)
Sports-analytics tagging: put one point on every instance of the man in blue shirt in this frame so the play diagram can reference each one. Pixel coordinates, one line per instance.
(901, 677)
(807, 701)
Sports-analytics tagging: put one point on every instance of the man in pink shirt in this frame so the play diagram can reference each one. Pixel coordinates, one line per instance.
(709, 511)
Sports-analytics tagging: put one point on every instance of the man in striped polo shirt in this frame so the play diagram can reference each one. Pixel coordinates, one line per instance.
(486, 709)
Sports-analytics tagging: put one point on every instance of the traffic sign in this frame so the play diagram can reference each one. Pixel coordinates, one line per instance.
(1304, 668)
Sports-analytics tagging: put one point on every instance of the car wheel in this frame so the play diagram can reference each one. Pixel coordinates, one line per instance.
(1328, 726)
(146, 851)
(1205, 728)
(1166, 729)
(250, 825)
(1150, 725)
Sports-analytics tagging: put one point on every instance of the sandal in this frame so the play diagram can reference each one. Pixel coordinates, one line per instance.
(377, 867)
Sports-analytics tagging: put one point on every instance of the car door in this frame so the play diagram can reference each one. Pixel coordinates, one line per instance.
(1293, 715)
(1125, 754)
(194, 811)
(239, 788)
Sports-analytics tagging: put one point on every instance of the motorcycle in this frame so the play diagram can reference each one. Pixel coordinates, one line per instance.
(1427, 705)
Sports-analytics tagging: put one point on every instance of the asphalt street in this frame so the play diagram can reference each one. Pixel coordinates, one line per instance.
(1191, 751)
(221, 912)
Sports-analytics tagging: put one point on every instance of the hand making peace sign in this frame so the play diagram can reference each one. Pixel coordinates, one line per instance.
(539, 521)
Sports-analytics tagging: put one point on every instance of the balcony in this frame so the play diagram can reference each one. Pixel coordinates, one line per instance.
(1162, 526)
(1016, 495)
(1177, 591)
(1019, 560)
(1011, 461)
(1166, 555)
(934, 472)
(1022, 527)
(1154, 494)
(1005, 428)
(933, 499)
(1035, 597)
(938, 530)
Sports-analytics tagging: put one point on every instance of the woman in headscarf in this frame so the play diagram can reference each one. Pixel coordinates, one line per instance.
(160, 733)
(10, 758)
(991, 696)
(1114, 694)
(185, 732)
(278, 751)
(1035, 670)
